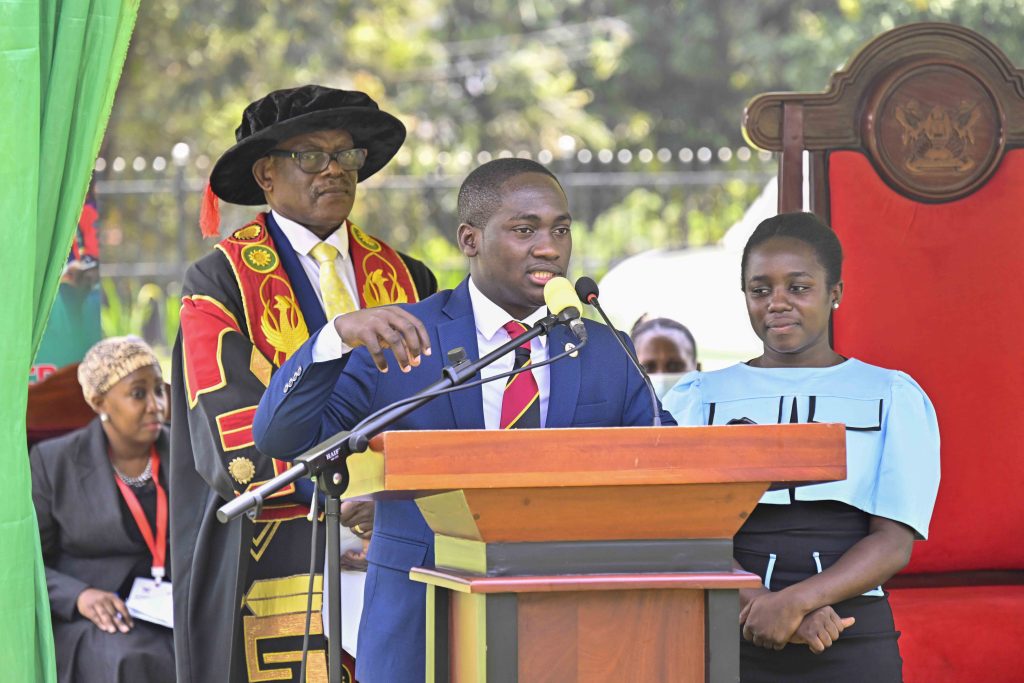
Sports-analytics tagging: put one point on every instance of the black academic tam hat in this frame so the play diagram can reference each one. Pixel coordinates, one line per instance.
(286, 113)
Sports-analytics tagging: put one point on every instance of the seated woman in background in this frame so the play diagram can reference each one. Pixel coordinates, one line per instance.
(823, 550)
(101, 502)
(666, 349)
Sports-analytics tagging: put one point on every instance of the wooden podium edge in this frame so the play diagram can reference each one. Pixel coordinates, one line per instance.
(466, 583)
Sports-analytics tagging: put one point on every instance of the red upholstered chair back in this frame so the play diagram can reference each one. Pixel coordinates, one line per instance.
(914, 162)
(936, 290)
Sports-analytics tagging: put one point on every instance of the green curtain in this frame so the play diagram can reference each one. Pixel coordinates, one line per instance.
(60, 61)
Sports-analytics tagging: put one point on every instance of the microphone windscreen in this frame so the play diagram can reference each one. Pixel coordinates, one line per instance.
(586, 288)
(559, 295)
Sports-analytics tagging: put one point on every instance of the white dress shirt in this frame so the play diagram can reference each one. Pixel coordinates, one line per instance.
(303, 241)
(490, 320)
(490, 334)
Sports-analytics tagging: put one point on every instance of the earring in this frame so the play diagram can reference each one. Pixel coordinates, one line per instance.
(835, 305)
(104, 417)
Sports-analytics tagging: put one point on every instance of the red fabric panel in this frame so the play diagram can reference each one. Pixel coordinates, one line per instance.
(960, 634)
(936, 290)
(236, 428)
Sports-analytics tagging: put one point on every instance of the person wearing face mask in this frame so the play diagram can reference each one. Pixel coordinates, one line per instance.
(666, 349)
(100, 496)
(822, 551)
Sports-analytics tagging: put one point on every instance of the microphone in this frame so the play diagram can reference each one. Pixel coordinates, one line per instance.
(586, 289)
(563, 302)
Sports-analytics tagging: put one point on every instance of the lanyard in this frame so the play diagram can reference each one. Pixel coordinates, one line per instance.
(157, 546)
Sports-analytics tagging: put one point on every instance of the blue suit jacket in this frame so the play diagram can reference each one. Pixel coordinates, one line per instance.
(308, 402)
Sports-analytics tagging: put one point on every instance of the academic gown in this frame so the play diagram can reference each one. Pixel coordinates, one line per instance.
(214, 561)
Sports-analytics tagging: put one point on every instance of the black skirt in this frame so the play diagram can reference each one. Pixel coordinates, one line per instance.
(784, 544)
(85, 654)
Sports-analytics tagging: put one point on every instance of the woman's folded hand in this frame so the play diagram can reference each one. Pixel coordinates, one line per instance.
(770, 619)
(104, 609)
(820, 629)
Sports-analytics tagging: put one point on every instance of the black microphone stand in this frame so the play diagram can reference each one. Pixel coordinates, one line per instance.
(327, 462)
(592, 300)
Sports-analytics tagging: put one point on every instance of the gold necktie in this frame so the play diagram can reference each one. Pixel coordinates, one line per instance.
(336, 295)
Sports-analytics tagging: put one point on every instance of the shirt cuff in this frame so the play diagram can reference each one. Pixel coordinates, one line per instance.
(328, 345)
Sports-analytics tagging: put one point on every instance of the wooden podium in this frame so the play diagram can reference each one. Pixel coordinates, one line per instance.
(589, 554)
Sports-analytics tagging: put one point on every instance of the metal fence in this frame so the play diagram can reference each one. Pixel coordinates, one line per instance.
(622, 201)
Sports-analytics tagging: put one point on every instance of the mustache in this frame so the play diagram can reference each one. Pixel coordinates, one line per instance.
(342, 186)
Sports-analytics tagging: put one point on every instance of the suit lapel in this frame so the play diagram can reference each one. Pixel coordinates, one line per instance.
(309, 304)
(565, 380)
(95, 479)
(460, 330)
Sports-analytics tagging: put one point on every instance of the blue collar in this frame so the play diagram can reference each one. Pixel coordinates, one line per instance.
(309, 303)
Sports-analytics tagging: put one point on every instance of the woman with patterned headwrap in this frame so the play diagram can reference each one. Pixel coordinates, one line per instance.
(101, 500)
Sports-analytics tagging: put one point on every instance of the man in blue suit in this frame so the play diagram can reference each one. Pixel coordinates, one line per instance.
(515, 230)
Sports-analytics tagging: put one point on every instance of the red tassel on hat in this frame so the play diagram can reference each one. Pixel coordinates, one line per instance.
(209, 213)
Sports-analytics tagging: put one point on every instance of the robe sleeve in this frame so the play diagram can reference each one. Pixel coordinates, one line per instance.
(224, 377)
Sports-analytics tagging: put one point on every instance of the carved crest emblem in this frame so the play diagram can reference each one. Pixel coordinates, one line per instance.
(937, 138)
(934, 131)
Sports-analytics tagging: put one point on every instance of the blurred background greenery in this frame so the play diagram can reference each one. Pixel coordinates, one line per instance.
(635, 104)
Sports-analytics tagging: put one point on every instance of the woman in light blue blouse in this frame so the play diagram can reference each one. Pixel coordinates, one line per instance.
(824, 550)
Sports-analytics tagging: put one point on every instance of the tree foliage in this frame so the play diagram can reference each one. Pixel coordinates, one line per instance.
(512, 76)
(472, 76)
(506, 74)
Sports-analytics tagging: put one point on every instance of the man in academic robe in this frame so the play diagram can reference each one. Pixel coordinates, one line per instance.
(516, 232)
(240, 588)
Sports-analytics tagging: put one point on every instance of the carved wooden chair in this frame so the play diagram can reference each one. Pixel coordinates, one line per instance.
(914, 155)
(56, 405)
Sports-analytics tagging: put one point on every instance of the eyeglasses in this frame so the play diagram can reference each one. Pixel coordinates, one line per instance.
(316, 161)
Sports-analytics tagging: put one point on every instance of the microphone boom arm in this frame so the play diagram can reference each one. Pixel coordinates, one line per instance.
(590, 297)
(339, 446)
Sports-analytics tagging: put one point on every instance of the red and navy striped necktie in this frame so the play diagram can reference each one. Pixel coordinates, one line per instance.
(520, 405)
